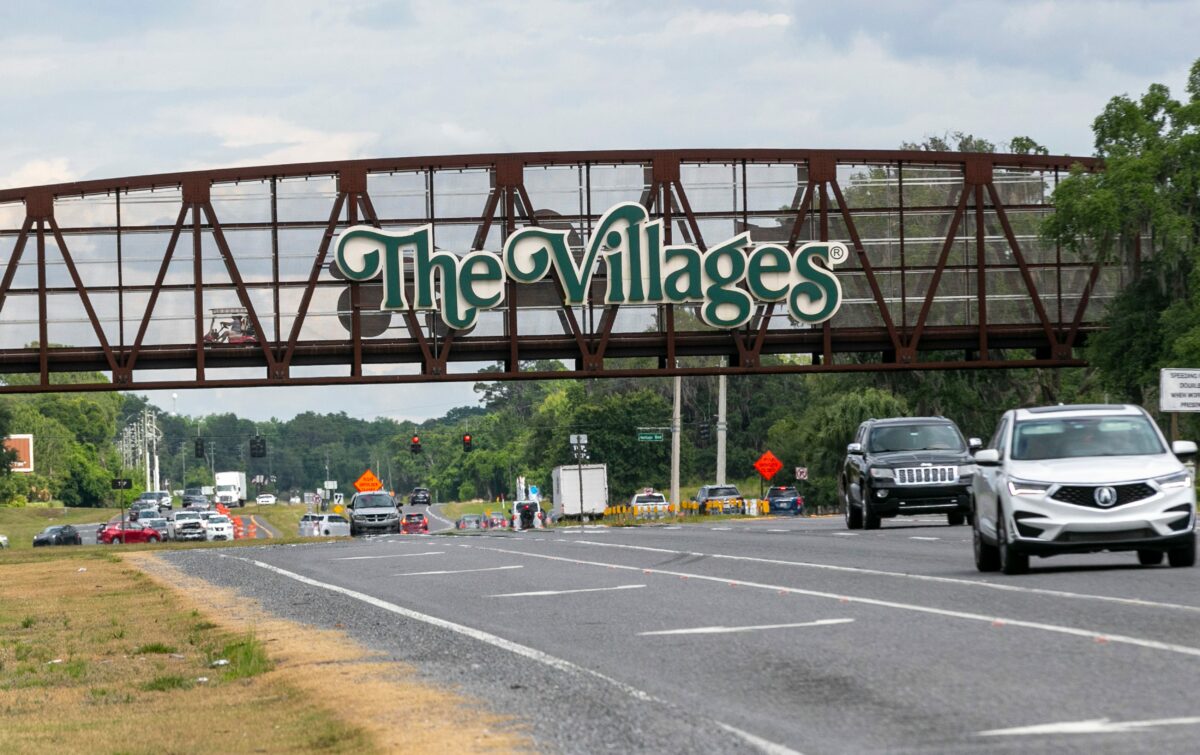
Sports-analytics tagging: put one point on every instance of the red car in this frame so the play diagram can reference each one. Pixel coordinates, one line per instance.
(127, 532)
(415, 523)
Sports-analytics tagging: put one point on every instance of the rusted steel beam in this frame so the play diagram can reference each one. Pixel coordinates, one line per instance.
(43, 337)
(83, 296)
(318, 264)
(1026, 275)
(980, 273)
(131, 359)
(198, 291)
(239, 285)
(11, 270)
(602, 157)
(911, 347)
(865, 262)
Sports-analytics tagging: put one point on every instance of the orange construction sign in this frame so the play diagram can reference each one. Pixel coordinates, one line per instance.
(368, 482)
(768, 465)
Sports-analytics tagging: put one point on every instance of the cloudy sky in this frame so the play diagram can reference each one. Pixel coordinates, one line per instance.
(95, 90)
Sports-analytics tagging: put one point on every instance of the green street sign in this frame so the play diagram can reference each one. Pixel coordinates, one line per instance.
(653, 437)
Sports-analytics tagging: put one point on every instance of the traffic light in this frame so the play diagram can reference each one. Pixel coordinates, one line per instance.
(258, 446)
(415, 446)
(467, 442)
(705, 432)
(199, 448)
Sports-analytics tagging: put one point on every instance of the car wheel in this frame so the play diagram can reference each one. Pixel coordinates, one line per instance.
(152, 539)
(987, 557)
(956, 518)
(870, 521)
(1011, 561)
(1185, 556)
(853, 515)
(1150, 558)
(116, 541)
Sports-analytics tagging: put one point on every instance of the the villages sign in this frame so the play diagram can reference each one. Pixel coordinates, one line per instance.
(725, 281)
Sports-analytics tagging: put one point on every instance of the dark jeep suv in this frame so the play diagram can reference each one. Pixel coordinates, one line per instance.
(419, 497)
(904, 466)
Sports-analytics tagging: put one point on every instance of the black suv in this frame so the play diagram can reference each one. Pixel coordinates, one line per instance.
(904, 466)
(419, 496)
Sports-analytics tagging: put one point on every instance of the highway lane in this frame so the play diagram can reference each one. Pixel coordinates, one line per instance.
(794, 632)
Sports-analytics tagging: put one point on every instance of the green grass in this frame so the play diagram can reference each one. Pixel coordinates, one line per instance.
(21, 524)
(154, 648)
(284, 517)
(247, 657)
(453, 511)
(167, 683)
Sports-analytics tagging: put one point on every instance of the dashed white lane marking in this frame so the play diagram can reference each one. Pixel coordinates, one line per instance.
(770, 748)
(1093, 726)
(720, 529)
(455, 571)
(846, 534)
(919, 577)
(734, 630)
(540, 593)
(914, 537)
(390, 555)
(1100, 637)
(496, 641)
(778, 530)
(673, 527)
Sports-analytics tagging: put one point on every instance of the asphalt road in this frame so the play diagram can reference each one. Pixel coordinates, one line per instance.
(263, 529)
(773, 635)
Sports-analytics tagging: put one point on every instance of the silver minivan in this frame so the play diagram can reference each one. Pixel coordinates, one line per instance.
(1082, 479)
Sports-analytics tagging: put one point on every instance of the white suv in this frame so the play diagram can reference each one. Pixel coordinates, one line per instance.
(1080, 479)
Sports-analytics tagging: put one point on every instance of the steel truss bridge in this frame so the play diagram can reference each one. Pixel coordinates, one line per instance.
(223, 278)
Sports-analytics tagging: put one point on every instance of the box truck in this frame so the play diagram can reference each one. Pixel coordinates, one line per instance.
(570, 499)
(231, 488)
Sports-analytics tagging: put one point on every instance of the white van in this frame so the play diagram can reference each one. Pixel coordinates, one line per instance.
(324, 525)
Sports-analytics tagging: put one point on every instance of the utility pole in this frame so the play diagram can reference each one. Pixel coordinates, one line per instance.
(676, 427)
(721, 425)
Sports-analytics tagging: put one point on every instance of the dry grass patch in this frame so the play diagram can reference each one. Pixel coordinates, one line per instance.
(73, 679)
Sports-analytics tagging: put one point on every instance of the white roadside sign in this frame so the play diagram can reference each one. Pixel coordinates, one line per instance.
(1179, 390)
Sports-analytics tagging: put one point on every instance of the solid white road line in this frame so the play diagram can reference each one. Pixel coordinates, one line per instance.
(993, 620)
(487, 638)
(846, 534)
(1138, 602)
(914, 537)
(720, 529)
(778, 530)
(733, 630)
(1094, 726)
(390, 555)
(455, 571)
(540, 593)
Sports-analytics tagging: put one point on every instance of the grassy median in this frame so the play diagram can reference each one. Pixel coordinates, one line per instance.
(21, 524)
(96, 656)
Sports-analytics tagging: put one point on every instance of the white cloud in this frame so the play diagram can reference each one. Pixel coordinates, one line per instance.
(714, 22)
(37, 172)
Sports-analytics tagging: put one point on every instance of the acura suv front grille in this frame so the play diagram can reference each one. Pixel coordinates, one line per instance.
(1085, 495)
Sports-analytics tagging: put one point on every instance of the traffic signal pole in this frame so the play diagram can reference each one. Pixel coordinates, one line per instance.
(721, 390)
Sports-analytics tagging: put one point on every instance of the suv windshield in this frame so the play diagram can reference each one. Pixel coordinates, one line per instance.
(724, 491)
(1089, 436)
(375, 501)
(925, 437)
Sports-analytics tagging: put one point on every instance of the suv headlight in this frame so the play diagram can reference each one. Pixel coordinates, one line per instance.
(882, 473)
(1174, 481)
(1026, 487)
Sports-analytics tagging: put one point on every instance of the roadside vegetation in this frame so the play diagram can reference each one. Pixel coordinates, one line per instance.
(94, 655)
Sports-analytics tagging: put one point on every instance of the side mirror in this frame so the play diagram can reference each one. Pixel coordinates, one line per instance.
(854, 448)
(1184, 449)
(974, 444)
(987, 457)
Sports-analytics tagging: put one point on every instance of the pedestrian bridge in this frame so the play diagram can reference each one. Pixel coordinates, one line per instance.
(231, 277)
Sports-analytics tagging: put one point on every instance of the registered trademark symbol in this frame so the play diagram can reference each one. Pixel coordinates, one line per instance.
(838, 253)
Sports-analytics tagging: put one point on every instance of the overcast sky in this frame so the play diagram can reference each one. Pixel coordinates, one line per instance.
(94, 90)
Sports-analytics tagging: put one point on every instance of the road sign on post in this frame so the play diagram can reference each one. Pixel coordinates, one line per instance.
(801, 473)
(768, 465)
(122, 483)
(368, 482)
(654, 437)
